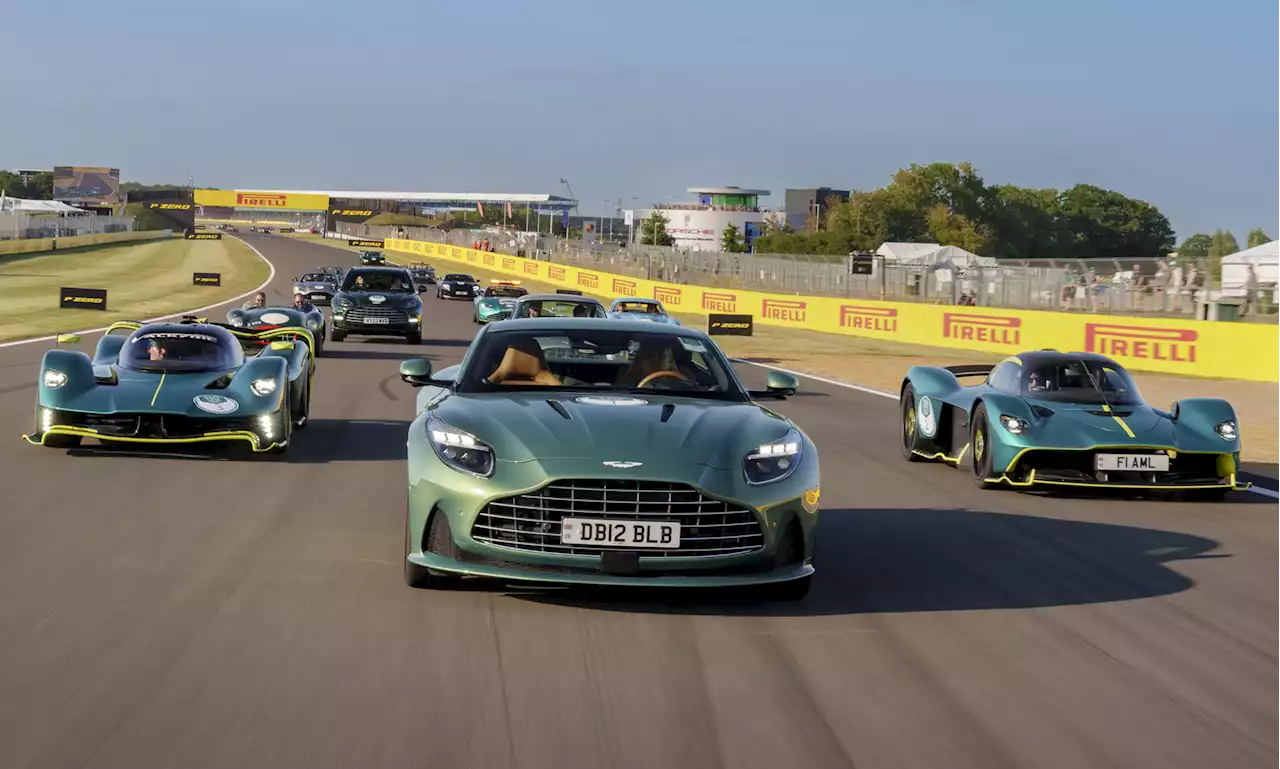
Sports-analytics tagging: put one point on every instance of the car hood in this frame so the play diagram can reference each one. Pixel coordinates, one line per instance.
(524, 426)
(1073, 424)
(147, 392)
(381, 299)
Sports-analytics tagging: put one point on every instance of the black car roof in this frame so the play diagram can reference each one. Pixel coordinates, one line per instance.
(224, 337)
(561, 298)
(389, 269)
(1040, 357)
(545, 325)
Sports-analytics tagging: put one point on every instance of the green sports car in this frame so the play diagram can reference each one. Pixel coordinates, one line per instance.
(372, 258)
(610, 452)
(497, 301)
(1054, 419)
(168, 382)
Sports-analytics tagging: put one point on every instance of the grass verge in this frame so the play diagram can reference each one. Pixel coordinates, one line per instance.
(142, 281)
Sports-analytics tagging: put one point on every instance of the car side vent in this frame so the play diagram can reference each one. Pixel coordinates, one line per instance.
(109, 378)
(221, 383)
(560, 409)
(667, 410)
(1041, 411)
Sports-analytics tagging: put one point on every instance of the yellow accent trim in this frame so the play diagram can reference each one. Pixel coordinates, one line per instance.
(282, 345)
(158, 386)
(125, 324)
(1120, 422)
(221, 435)
(942, 455)
(1012, 359)
(1106, 409)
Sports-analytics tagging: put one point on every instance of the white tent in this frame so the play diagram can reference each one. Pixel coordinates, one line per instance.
(1235, 267)
(932, 254)
(22, 206)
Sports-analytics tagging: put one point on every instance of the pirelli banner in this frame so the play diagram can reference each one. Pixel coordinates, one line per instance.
(1173, 346)
(262, 201)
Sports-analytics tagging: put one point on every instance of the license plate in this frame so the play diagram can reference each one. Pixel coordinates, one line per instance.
(377, 321)
(319, 296)
(1143, 463)
(588, 531)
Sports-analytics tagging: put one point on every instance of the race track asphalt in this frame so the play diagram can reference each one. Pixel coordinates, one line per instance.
(165, 612)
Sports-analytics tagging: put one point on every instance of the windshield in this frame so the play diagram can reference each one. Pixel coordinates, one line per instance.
(1068, 381)
(316, 277)
(387, 281)
(645, 307)
(559, 308)
(179, 352)
(505, 291)
(460, 278)
(600, 360)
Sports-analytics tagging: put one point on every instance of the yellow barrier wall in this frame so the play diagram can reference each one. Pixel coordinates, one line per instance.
(262, 200)
(1185, 347)
(33, 245)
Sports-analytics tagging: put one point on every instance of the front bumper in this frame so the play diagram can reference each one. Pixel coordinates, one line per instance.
(150, 428)
(1188, 471)
(405, 328)
(452, 523)
(458, 294)
(316, 296)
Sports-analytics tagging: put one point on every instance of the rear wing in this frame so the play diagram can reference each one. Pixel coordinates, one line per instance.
(974, 370)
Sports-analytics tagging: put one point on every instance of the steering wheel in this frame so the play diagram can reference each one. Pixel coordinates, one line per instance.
(665, 373)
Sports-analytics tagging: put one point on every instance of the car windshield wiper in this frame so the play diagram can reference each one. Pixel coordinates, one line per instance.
(1097, 385)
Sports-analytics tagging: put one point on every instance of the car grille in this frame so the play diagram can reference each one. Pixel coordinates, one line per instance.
(531, 522)
(357, 314)
(151, 425)
(1078, 467)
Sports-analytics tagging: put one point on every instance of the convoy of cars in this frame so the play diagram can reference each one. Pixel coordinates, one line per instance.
(584, 445)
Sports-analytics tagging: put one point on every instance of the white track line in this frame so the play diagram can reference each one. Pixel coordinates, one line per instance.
(848, 386)
(265, 283)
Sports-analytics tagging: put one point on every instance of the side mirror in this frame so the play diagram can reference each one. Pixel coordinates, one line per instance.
(68, 339)
(503, 315)
(422, 288)
(416, 371)
(779, 385)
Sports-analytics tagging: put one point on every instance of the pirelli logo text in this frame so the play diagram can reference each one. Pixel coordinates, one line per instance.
(455, 252)
(489, 259)
(784, 310)
(530, 268)
(588, 280)
(988, 329)
(624, 287)
(1174, 345)
(719, 301)
(169, 206)
(863, 318)
(508, 263)
(666, 294)
(555, 273)
(261, 200)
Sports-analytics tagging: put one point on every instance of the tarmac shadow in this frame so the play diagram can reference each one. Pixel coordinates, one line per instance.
(933, 560)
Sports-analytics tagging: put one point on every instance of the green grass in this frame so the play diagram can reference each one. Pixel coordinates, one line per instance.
(143, 280)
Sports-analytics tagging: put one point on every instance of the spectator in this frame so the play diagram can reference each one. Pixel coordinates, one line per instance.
(1252, 302)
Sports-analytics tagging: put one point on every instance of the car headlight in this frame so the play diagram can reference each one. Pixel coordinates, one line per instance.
(460, 450)
(263, 386)
(342, 303)
(774, 461)
(1013, 424)
(1226, 430)
(54, 379)
(237, 321)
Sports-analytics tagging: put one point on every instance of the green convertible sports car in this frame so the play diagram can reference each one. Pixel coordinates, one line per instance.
(1050, 418)
(169, 382)
(611, 452)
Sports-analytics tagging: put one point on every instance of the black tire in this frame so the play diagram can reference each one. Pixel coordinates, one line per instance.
(304, 410)
(791, 590)
(980, 448)
(907, 410)
(62, 441)
(337, 336)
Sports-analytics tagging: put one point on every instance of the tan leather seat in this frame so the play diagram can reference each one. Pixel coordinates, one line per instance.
(523, 364)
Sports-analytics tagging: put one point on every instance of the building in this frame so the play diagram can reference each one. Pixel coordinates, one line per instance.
(699, 225)
(432, 202)
(803, 203)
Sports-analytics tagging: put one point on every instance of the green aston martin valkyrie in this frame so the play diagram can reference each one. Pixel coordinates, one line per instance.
(611, 452)
(1053, 419)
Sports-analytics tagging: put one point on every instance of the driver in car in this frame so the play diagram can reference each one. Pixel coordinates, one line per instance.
(259, 300)
(155, 350)
(651, 358)
(301, 303)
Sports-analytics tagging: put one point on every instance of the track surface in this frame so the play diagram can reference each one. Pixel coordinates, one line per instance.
(171, 612)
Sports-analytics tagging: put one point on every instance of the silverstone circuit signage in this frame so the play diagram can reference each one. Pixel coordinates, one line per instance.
(204, 236)
(724, 324)
(354, 243)
(83, 298)
(206, 279)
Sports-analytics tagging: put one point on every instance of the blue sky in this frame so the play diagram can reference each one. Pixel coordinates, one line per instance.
(1170, 101)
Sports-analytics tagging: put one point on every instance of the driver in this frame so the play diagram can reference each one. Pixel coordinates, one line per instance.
(581, 311)
(259, 300)
(155, 351)
(301, 303)
(650, 358)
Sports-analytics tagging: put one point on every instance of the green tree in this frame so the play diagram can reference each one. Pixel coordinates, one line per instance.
(653, 230)
(1024, 221)
(731, 240)
(1103, 223)
(1222, 243)
(1197, 245)
(1257, 238)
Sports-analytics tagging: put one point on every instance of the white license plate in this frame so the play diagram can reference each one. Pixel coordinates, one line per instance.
(1143, 463)
(590, 531)
(377, 321)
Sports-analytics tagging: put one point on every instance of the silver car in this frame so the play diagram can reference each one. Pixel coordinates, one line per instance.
(319, 287)
(628, 308)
